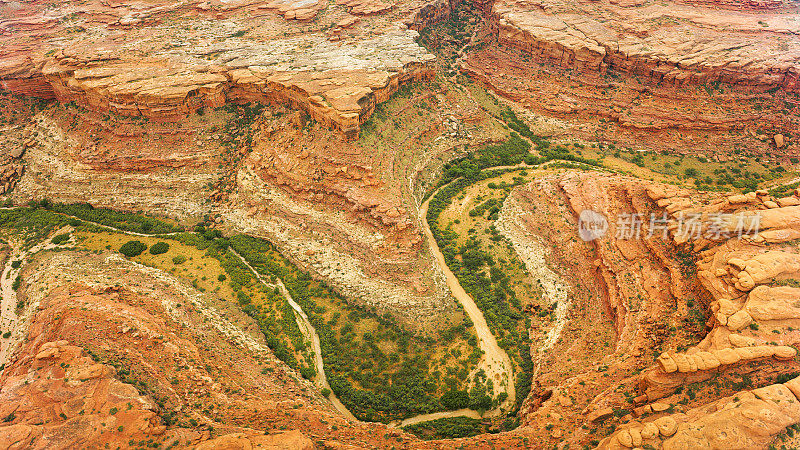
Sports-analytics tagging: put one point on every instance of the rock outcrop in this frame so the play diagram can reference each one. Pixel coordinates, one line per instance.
(747, 268)
(125, 71)
(670, 44)
(749, 419)
(118, 353)
(720, 304)
(86, 404)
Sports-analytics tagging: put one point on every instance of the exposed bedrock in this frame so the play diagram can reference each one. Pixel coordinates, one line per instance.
(673, 44)
(710, 322)
(161, 66)
(750, 284)
(336, 85)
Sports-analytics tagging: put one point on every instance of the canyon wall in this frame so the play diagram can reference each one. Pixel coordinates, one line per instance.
(432, 13)
(673, 44)
(166, 67)
(334, 87)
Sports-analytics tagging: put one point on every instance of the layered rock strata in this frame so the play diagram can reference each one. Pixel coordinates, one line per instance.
(747, 268)
(164, 68)
(670, 44)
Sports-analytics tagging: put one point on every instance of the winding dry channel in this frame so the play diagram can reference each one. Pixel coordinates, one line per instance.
(300, 316)
(310, 334)
(496, 362)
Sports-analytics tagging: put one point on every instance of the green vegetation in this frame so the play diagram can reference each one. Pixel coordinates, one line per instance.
(277, 323)
(455, 399)
(60, 238)
(265, 305)
(508, 153)
(784, 190)
(481, 276)
(32, 223)
(237, 128)
(446, 37)
(476, 269)
(513, 151)
(744, 173)
(379, 370)
(786, 434)
(376, 368)
(132, 248)
(159, 248)
(448, 428)
(116, 219)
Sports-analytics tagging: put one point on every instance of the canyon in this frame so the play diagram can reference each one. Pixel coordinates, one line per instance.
(325, 133)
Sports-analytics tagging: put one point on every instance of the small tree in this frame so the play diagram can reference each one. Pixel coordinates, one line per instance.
(60, 238)
(132, 248)
(159, 248)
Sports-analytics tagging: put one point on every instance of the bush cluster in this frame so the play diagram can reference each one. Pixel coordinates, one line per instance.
(133, 248)
(159, 248)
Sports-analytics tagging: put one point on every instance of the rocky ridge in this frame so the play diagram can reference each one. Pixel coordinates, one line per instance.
(670, 44)
(748, 284)
(129, 71)
(705, 339)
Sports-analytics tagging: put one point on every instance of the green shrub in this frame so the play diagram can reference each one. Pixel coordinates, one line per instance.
(455, 399)
(451, 427)
(16, 283)
(180, 259)
(159, 248)
(132, 248)
(116, 219)
(60, 238)
(308, 373)
(16, 264)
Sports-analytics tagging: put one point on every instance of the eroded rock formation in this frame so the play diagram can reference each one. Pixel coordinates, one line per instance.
(671, 44)
(131, 71)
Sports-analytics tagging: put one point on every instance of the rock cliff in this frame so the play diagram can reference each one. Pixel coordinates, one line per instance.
(166, 71)
(669, 44)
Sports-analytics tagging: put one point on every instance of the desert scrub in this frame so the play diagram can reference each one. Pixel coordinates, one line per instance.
(116, 219)
(32, 224)
(374, 384)
(447, 428)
